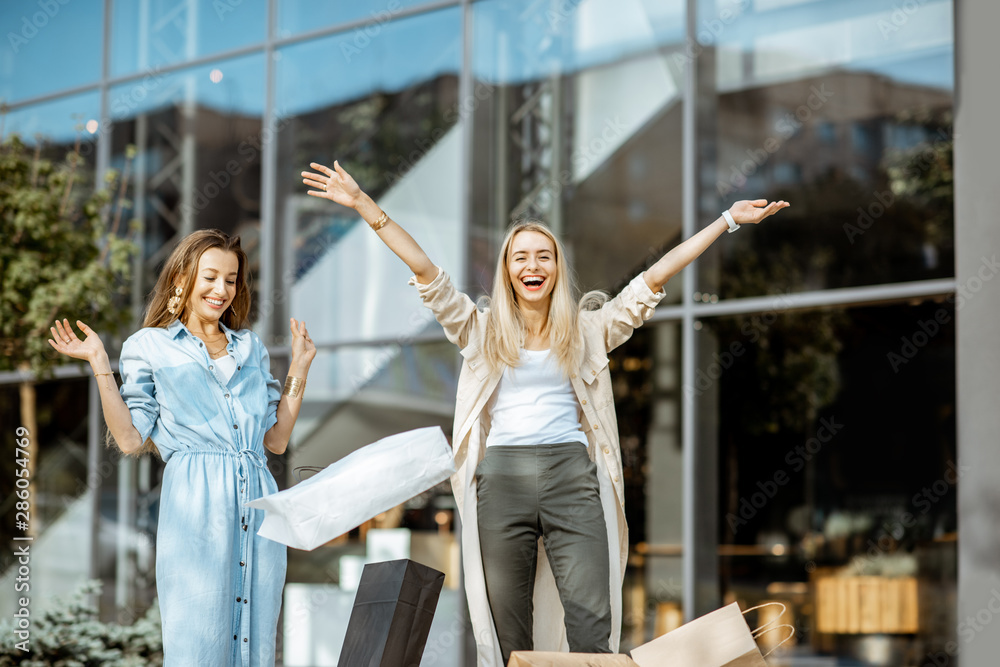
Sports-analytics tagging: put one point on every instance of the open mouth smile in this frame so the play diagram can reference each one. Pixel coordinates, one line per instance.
(533, 283)
(215, 303)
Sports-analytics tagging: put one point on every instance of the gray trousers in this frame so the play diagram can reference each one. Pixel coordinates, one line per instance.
(547, 491)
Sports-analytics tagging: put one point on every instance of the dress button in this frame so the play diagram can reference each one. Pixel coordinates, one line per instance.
(597, 426)
(211, 368)
(245, 601)
(573, 376)
(239, 599)
(593, 372)
(227, 395)
(238, 367)
(235, 426)
(242, 563)
(244, 639)
(244, 527)
(235, 637)
(606, 451)
(584, 401)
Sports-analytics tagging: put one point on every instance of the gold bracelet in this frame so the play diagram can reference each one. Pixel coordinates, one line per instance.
(97, 374)
(294, 386)
(380, 223)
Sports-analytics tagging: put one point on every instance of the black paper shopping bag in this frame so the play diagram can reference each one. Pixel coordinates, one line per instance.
(392, 615)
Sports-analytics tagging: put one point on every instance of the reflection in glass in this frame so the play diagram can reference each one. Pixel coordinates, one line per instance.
(833, 427)
(579, 124)
(58, 125)
(389, 116)
(295, 16)
(847, 114)
(49, 46)
(199, 148)
(148, 34)
(356, 396)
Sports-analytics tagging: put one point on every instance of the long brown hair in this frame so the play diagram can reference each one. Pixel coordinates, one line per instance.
(181, 267)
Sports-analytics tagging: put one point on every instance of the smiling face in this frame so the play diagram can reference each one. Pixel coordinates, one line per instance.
(531, 266)
(214, 284)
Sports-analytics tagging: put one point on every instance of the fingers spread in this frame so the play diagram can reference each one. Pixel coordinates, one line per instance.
(323, 168)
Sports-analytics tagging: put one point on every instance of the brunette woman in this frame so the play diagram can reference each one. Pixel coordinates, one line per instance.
(197, 388)
(539, 481)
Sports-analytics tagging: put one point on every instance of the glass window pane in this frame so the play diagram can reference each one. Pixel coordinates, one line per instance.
(837, 472)
(199, 137)
(356, 396)
(578, 123)
(844, 109)
(152, 33)
(389, 116)
(295, 16)
(49, 46)
(58, 124)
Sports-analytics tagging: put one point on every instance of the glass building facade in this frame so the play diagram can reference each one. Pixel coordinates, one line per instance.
(788, 416)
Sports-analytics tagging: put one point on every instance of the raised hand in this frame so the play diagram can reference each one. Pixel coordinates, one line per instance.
(303, 348)
(750, 212)
(65, 341)
(333, 184)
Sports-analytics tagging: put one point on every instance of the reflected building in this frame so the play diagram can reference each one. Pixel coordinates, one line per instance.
(773, 448)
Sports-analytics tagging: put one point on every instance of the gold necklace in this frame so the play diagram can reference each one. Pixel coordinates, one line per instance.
(216, 354)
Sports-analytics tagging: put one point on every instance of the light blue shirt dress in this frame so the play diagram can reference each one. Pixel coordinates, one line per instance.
(219, 584)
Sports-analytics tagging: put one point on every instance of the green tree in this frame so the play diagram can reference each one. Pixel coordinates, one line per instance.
(59, 257)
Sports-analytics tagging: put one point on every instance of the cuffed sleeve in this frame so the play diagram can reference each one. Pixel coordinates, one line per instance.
(454, 310)
(138, 390)
(273, 386)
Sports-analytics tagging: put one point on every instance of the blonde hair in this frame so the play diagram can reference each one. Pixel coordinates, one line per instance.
(504, 336)
(182, 265)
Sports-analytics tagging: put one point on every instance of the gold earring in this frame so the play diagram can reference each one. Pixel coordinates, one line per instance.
(174, 301)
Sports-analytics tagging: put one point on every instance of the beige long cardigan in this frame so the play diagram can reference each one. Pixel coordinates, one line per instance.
(603, 331)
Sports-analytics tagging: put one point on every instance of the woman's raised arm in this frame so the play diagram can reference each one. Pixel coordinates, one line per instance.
(116, 414)
(338, 186)
(744, 213)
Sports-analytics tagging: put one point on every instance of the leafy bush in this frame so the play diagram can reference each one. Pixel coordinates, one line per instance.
(70, 634)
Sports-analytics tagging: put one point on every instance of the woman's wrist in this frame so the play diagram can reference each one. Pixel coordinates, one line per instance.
(298, 369)
(100, 363)
(367, 208)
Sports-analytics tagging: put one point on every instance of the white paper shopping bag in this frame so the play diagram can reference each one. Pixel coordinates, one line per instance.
(356, 488)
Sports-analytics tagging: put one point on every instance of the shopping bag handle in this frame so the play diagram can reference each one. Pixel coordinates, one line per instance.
(297, 472)
(756, 633)
(791, 633)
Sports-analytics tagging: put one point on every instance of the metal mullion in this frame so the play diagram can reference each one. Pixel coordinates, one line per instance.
(689, 209)
(269, 172)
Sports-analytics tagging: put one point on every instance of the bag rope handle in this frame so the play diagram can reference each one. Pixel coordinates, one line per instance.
(762, 628)
(791, 634)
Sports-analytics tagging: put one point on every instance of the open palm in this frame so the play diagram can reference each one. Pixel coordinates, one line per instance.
(752, 211)
(65, 341)
(333, 184)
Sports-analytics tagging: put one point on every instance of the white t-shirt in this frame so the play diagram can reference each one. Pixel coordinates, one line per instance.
(534, 404)
(225, 367)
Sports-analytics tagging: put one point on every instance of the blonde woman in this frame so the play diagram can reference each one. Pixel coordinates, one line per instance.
(539, 481)
(197, 387)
